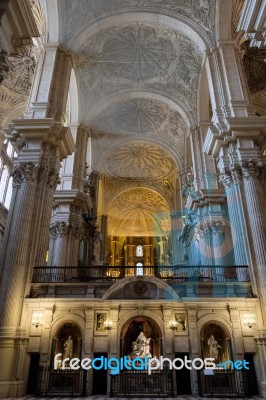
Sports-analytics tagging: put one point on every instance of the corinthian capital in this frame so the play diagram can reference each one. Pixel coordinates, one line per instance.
(251, 169)
(226, 179)
(23, 173)
(53, 180)
(59, 229)
(236, 172)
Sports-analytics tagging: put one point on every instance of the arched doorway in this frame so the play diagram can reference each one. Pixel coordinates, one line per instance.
(131, 330)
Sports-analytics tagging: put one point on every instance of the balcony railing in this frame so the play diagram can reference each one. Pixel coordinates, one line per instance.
(169, 273)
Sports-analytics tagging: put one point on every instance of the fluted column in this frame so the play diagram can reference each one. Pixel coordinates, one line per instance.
(261, 370)
(236, 216)
(17, 237)
(256, 206)
(41, 144)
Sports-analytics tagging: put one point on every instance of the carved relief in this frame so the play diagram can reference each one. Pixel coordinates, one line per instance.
(252, 169)
(213, 228)
(25, 173)
(226, 179)
(76, 15)
(254, 66)
(138, 212)
(19, 81)
(37, 8)
(4, 65)
(174, 70)
(139, 160)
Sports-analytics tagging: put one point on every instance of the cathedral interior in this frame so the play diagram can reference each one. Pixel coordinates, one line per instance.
(132, 194)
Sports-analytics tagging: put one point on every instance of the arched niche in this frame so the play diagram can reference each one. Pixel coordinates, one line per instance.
(216, 342)
(67, 341)
(131, 330)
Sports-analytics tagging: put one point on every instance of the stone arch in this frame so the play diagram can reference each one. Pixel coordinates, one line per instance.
(63, 318)
(67, 341)
(188, 28)
(215, 342)
(176, 105)
(222, 321)
(152, 287)
(139, 215)
(131, 329)
(99, 166)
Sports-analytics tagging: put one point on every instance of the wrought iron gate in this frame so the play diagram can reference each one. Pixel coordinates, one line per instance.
(223, 384)
(60, 382)
(141, 384)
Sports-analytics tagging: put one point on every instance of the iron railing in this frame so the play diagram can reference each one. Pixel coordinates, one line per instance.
(140, 383)
(60, 382)
(112, 274)
(223, 384)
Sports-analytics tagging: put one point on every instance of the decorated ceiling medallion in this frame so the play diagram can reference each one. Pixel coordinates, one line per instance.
(254, 66)
(139, 52)
(139, 160)
(140, 288)
(20, 79)
(135, 115)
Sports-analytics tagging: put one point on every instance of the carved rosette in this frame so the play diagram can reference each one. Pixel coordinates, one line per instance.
(23, 173)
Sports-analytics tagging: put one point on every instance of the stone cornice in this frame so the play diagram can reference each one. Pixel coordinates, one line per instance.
(248, 127)
(45, 130)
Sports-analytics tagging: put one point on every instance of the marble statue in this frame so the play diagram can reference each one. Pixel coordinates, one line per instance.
(213, 347)
(141, 347)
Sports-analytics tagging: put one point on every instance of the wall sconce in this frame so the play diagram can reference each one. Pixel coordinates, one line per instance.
(249, 320)
(108, 325)
(173, 324)
(37, 320)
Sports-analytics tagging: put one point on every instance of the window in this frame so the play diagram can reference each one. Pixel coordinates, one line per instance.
(3, 184)
(6, 166)
(139, 269)
(139, 251)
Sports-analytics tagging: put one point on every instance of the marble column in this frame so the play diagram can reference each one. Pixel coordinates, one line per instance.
(256, 206)
(194, 343)
(88, 345)
(236, 217)
(261, 346)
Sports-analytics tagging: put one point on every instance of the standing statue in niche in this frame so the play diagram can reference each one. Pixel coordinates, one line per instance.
(141, 347)
(68, 348)
(213, 347)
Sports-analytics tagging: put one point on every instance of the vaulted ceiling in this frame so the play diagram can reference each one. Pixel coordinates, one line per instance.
(137, 65)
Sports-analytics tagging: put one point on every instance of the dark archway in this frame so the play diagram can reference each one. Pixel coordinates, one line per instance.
(132, 329)
(67, 332)
(215, 343)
